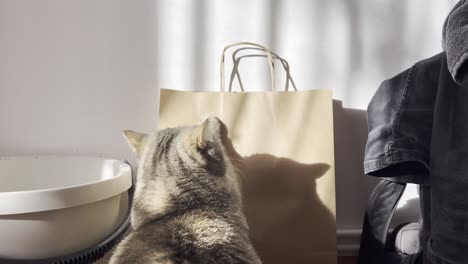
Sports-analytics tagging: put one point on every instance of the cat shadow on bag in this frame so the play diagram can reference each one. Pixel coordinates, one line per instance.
(283, 208)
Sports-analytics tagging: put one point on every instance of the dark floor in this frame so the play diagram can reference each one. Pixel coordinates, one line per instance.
(341, 260)
(347, 260)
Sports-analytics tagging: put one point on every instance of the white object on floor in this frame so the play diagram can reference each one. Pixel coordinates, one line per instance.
(55, 205)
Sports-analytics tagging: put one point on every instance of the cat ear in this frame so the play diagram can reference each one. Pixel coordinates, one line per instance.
(134, 139)
(209, 131)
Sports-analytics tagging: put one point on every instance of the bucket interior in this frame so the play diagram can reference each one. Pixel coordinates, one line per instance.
(50, 172)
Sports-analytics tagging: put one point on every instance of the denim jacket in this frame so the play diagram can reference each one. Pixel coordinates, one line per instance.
(400, 117)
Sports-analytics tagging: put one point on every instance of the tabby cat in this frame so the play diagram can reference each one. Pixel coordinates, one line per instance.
(187, 204)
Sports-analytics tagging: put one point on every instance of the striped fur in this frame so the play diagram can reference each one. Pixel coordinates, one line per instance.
(187, 204)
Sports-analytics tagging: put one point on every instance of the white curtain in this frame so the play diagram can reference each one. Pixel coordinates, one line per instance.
(349, 46)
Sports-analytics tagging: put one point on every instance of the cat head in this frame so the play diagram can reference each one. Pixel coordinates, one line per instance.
(189, 162)
(198, 147)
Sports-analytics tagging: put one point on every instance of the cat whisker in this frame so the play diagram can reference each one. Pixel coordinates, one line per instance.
(240, 173)
(240, 160)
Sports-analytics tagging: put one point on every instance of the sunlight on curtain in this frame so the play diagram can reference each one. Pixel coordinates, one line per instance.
(348, 46)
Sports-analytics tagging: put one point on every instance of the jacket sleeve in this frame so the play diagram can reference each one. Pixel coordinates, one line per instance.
(400, 119)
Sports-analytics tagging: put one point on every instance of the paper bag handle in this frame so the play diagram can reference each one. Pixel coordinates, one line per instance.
(266, 50)
(284, 62)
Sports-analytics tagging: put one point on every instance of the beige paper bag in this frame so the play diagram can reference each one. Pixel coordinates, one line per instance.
(286, 141)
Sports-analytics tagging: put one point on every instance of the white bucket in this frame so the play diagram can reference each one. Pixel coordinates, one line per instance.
(53, 206)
